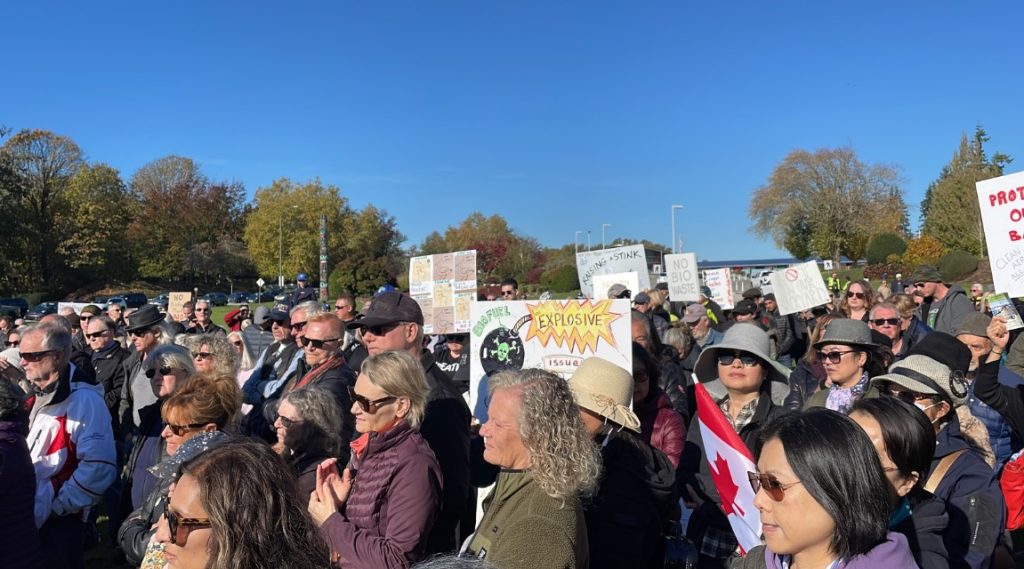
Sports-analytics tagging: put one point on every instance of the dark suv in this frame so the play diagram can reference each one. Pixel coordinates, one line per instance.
(135, 299)
(19, 304)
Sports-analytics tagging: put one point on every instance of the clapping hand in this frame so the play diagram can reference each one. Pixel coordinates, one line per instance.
(331, 491)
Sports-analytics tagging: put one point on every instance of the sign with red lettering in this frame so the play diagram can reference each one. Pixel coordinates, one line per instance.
(1002, 213)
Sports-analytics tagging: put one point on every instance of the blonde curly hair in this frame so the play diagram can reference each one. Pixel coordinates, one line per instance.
(564, 461)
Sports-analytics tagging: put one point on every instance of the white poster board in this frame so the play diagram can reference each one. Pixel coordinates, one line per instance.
(720, 283)
(1002, 213)
(630, 258)
(799, 287)
(556, 335)
(604, 282)
(683, 279)
(444, 285)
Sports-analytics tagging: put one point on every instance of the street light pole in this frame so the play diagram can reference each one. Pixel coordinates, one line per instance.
(280, 249)
(576, 241)
(674, 208)
(603, 225)
(588, 240)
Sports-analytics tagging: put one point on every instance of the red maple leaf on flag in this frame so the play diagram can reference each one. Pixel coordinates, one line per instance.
(727, 488)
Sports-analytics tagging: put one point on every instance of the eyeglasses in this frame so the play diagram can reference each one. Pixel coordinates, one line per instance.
(201, 355)
(776, 490)
(890, 468)
(508, 293)
(115, 308)
(883, 321)
(906, 395)
(319, 344)
(84, 317)
(298, 326)
(288, 423)
(180, 527)
(748, 360)
(33, 357)
(367, 405)
(13, 343)
(202, 309)
(180, 430)
(99, 334)
(382, 330)
(341, 306)
(457, 338)
(851, 294)
(139, 333)
(237, 344)
(833, 357)
(150, 373)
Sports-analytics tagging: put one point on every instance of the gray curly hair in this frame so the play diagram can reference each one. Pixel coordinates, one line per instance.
(563, 459)
(225, 358)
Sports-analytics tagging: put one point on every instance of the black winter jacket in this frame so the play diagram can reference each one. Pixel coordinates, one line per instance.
(923, 530)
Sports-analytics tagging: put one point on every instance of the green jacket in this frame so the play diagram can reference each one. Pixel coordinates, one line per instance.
(524, 528)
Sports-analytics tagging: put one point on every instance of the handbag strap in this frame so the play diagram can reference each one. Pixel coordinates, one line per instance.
(940, 471)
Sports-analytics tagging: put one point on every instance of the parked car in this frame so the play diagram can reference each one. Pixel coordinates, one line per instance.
(19, 305)
(238, 298)
(215, 298)
(99, 300)
(282, 295)
(161, 299)
(117, 300)
(134, 299)
(40, 310)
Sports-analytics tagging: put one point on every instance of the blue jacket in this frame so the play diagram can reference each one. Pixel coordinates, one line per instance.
(977, 513)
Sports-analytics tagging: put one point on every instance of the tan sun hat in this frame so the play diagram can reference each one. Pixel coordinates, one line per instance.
(604, 388)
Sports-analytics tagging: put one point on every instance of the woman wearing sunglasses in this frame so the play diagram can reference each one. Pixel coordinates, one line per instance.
(194, 417)
(166, 368)
(211, 353)
(379, 512)
(847, 352)
(307, 426)
(905, 443)
(213, 522)
(823, 499)
(809, 374)
(856, 301)
(749, 388)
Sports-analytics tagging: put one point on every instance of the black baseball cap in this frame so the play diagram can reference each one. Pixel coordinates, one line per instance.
(389, 308)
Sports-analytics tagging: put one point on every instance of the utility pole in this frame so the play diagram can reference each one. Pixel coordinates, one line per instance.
(674, 208)
(576, 241)
(603, 225)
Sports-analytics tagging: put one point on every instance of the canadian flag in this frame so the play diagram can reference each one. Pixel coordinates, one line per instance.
(729, 460)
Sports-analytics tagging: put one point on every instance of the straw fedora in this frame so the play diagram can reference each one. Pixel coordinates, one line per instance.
(606, 389)
(744, 337)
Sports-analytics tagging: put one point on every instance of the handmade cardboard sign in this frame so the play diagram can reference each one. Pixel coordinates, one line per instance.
(799, 287)
(683, 279)
(444, 285)
(1002, 214)
(615, 260)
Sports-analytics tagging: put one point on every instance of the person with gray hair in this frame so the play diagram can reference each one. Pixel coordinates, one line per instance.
(307, 427)
(454, 562)
(211, 353)
(19, 542)
(147, 329)
(72, 444)
(534, 515)
(203, 323)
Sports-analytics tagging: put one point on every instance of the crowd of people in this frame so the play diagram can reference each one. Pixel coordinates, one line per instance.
(299, 436)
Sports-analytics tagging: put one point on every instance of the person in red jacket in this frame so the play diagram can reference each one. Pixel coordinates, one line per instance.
(235, 318)
(660, 425)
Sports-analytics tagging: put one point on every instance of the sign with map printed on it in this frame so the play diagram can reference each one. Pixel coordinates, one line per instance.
(444, 285)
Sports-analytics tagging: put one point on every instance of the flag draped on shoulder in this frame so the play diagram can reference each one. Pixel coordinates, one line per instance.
(729, 460)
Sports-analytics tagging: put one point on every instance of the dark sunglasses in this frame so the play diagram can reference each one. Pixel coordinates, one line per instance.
(99, 334)
(202, 310)
(776, 490)
(151, 373)
(367, 405)
(508, 293)
(288, 423)
(883, 321)
(180, 430)
(382, 330)
(905, 395)
(14, 343)
(237, 344)
(340, 307)
(457, 338)
(139, 333)
(298, 326)
(851, 294)
(84, 317)
(180, 527)
(33, 357)
(748, 360)
(833, 357)
(319, 344)
(201, 355)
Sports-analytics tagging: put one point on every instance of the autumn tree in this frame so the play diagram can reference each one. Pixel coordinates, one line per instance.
(44, 163)
(500, 251)
(950, 211)
(829, 202)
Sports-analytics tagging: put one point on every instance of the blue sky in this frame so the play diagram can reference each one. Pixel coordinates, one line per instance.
(560, 116)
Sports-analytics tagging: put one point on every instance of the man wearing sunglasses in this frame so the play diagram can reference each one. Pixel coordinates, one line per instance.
(203, 324)
(943, 305)
(509, 289)
(108, 359)
(71, 443)
(275, 366)
(146, 330)
(394, 322)
(884, 318)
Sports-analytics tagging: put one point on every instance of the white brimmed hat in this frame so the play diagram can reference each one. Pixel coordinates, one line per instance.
(604, 388)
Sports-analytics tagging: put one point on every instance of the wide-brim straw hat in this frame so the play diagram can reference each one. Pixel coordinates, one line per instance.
(744, 337)
(846, 332)
(604, 388)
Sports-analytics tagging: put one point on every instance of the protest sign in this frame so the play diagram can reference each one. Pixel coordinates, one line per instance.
(1002, 213)
(176, 302)
(444, 285)
(683, 281)
(720, 283)
(604, 282)
(608, 261)
(799, 287)
(556, 335)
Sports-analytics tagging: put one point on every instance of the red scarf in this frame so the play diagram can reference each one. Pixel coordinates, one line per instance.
(332, 362)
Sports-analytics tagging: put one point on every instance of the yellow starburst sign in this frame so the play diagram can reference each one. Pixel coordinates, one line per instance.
(573, 323)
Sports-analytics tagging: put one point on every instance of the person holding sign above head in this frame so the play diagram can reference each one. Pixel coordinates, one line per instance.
(749, 389)
(823, 498)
